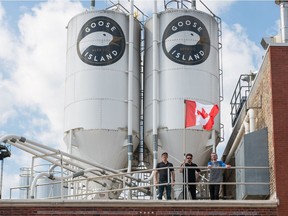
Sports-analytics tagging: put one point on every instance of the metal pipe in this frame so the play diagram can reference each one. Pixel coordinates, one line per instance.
(251, 120)
(30, 145)
(130, 85)
(50, 175)
(283, 21)
(141, 147)
(141, 126)
(246, 126)
(155, 84)
(70, 141)
(33, 184)
(155, 69)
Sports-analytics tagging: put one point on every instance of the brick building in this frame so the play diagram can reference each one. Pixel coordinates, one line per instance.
(268, 100)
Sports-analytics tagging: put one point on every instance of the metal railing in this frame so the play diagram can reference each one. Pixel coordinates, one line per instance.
(240, 95)
(70, 177)
(82, 189)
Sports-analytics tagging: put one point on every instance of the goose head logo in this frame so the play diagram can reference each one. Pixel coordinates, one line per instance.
(186, 41)
(100, 42)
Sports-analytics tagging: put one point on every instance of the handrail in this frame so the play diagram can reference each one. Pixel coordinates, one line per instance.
(147, 190)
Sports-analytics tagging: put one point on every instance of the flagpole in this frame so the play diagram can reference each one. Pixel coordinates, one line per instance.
(184, 188)
(184, 131)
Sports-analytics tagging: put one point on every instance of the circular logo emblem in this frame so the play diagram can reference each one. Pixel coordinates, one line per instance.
(186, 41)
(100, 42)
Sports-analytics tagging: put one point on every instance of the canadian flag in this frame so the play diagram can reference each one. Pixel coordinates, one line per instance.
(199, 114)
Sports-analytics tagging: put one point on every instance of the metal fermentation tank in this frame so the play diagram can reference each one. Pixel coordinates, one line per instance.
(96, 100)
(188, 69)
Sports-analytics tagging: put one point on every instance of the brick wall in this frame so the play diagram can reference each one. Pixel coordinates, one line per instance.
(136, 211)
(269, 99)
(279, 85)
(261, 101)
(126, 208)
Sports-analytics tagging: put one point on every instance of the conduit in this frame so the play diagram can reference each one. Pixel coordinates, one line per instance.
(38, 150)
(283, 21)
(130, 86)
(155, 84)
(50, 175)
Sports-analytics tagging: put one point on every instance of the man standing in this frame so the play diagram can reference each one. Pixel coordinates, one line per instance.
(216, 175)
(190, 175)
(164, 176)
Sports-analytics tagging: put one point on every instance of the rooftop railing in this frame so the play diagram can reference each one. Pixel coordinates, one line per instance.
(80, 188)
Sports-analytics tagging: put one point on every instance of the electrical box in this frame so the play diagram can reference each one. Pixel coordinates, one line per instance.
(253, 152)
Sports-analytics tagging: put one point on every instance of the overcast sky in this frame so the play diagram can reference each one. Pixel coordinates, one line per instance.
(32, 63)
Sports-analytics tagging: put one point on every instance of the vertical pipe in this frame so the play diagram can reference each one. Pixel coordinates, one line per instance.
(155, 88)
(213, 138)
(130, 90)
(70, 152)
(130, 85)
(62, 171)
(283, 21)
(70, 141)
(32, 174)
(141, 145)
(251, 120)
(155, 83)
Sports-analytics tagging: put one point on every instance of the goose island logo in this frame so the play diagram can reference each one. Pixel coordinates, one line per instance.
(100, 42)
(186, 41)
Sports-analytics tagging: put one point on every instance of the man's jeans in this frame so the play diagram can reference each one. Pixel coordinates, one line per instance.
(161, 190)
